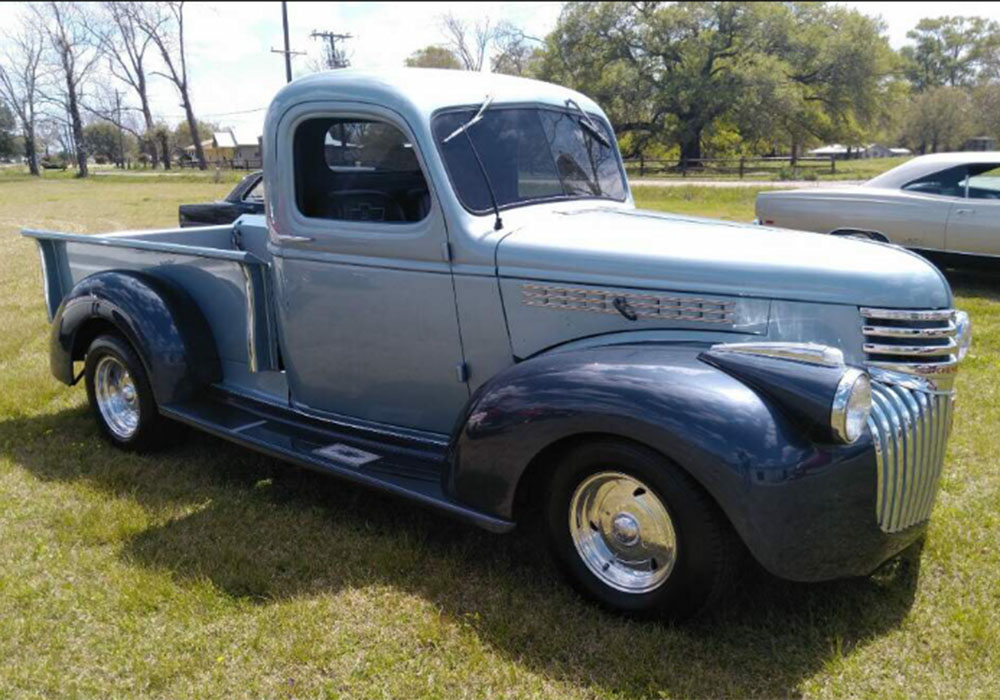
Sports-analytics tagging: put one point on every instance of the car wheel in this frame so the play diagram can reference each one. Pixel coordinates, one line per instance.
(120, 395)
(634, 532)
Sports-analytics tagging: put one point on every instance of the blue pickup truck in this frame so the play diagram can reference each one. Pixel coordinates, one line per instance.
(451, 297)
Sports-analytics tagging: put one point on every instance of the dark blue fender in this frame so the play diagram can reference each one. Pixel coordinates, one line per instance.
(161, 322)
(804, 506)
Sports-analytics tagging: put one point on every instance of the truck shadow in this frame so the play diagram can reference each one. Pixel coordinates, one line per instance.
(264, 531)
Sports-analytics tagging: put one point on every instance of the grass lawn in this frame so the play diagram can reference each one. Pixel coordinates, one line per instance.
(210, 571)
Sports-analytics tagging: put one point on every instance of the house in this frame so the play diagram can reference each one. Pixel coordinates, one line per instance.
(226, 149)
(980, 143)
(248, 151)
(880, 150)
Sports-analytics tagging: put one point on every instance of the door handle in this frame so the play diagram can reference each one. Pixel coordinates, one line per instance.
(965, 211)
(288, 238)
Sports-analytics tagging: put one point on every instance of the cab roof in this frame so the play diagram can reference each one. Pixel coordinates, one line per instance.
(419, 92)
(928, 165)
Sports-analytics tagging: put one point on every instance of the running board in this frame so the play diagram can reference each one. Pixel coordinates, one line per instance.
(412, 471)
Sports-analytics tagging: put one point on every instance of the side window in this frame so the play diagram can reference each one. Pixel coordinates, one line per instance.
(984, 184)
(358, 170)
(950, 183)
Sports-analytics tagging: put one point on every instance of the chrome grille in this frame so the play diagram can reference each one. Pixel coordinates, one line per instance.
(910, 428)
(901, 339)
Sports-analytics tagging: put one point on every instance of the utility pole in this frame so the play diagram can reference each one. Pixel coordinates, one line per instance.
(287, 50)
(334, 57)
(121, 134)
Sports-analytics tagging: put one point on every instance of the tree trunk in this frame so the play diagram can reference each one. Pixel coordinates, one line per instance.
(199, 152)
(77, 126)
(691, 147)
(165, 150)
(31, 151)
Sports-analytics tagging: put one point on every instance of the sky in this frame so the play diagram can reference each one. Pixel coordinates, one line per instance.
(234, 74)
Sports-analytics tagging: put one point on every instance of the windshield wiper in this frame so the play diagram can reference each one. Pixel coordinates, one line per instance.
(464, 129)
(588, 124)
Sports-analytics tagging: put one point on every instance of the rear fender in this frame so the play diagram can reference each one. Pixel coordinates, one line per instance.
(160, 320)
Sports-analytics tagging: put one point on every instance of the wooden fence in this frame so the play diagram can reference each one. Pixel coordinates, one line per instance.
(742, 167)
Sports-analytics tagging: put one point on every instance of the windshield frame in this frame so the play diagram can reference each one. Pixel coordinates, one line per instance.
(495, 107)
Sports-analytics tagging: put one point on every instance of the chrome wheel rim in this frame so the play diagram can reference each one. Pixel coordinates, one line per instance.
(622, 532)
(117, 397)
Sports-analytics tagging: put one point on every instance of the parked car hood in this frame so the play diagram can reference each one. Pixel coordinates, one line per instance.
(650, 250)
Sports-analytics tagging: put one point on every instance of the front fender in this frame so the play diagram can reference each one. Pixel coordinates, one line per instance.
(738, 444)
(161, 321)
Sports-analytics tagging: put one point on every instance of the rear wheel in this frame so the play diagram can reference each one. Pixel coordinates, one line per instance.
(636, 533)
(120, 395)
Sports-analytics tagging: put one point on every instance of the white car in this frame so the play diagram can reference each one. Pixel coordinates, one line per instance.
(941, 203)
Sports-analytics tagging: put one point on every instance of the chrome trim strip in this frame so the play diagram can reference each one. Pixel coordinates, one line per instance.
(807, 353)
(645, 306)
(912, 350)
(908, 315)
(949, 331)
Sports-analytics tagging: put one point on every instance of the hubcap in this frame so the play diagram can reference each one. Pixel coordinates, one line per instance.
(117, 398)
(622, 532)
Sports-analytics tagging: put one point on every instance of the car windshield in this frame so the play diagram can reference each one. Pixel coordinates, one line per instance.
(530, 154)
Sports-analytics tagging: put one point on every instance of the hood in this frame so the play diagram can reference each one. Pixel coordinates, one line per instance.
(650, 250)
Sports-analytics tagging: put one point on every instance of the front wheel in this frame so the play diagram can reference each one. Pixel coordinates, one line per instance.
(120, 395)
(633, 531)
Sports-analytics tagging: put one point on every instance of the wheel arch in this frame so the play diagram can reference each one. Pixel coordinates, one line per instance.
(871, 234)
(159, 320)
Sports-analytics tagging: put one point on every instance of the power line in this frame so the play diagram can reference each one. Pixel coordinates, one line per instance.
(333, 56)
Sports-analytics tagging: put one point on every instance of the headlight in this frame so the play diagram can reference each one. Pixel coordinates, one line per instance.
(963, 333)
(852, 403)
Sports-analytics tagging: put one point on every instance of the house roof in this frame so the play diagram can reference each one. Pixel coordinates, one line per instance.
(224, 139)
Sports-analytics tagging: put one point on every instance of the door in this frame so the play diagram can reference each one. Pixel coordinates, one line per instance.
(366, 304)
(974, 223)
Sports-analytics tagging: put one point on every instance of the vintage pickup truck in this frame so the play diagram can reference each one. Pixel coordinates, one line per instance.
(452, 298)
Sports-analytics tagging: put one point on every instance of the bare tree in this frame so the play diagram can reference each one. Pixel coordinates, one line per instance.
(469, 43)
(74, 58)
(124, 44)
(20, 68)
(163, 23)
(515, 50)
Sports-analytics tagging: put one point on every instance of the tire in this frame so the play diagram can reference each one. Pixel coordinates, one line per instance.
(121, 397)
(606, 494)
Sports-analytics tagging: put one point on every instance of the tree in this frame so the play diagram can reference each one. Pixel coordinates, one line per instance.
(670, 71)
(75, 57)
(8, 132)
(939, 119)
(948, 51)
(433, 57)
(20, 72)
(469, 43)
(106, 142)
(124, 45)
(516, 52)
(163, 23)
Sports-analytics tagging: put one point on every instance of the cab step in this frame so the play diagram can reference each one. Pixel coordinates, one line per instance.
(398, 464)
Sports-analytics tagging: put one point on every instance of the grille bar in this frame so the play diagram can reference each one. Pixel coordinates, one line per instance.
(910, 332)
(909, 428)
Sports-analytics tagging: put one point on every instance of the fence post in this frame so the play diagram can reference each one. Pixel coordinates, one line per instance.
(741, 167)
(684, 169)
(642, 165)
(833, 165)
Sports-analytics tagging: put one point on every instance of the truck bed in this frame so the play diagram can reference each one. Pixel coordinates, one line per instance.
(229, 281)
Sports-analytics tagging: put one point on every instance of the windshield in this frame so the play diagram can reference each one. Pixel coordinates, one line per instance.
(529, 153)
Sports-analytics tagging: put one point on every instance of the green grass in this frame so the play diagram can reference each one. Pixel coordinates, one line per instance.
(211, 571)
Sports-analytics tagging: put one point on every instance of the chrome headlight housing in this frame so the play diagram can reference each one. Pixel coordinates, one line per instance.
(852, 404)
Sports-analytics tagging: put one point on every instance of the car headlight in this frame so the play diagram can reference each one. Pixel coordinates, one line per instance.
(963, 333)
(852, 404)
